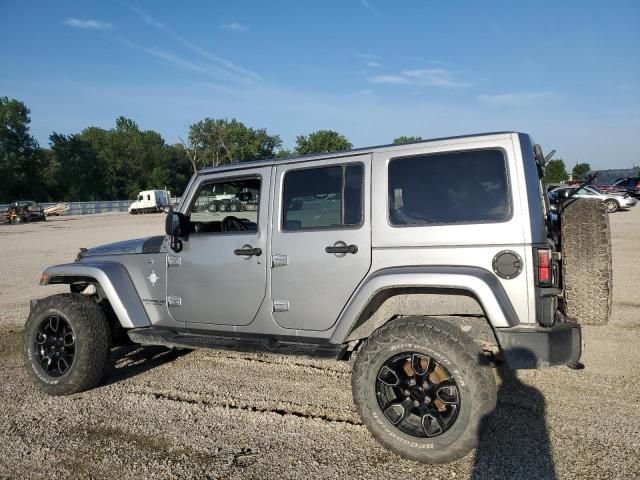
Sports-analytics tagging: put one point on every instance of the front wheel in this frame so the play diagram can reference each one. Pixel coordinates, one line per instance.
(66, 344)
(611, 205)
(421, 391)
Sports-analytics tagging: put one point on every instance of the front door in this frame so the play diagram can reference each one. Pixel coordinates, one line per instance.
(321, 240)
(220, 275)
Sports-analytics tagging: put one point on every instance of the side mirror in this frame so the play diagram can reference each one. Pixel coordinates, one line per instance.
(176, 225)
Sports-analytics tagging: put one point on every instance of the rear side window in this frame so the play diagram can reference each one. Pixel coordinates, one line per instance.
(457, 187)
(323, 198)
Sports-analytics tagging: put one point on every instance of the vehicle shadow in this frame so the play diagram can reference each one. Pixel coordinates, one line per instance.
(514, 440)
(131, 360)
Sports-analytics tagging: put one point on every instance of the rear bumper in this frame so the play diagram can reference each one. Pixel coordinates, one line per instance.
(539, 347)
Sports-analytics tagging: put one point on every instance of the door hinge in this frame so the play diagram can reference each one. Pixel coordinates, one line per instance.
(279, 260)
(281, 305)
(173, 301)
(174, 261)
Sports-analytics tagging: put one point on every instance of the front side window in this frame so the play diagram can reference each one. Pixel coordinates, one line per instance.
(449, 188)
(226, 206)
(323, 198)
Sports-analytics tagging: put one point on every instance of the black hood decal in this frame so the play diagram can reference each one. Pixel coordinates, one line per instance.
(152, 244)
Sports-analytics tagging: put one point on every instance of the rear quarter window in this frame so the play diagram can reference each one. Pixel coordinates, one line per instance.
(449, 188)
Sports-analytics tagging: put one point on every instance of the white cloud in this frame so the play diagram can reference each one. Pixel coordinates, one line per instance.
(366, 4)
(168, 58)
(146, 18)
(374, 64)
(426, 77)
(232, 70)
(87, 24)
(235, 26)
(514, 100)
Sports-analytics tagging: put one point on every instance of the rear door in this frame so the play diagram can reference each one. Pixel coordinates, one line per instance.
(321, 239)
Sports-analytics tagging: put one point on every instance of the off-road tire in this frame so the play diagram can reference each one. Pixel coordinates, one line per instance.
(92, 342)
(456, 352)
(234, 207)
(611, 205)
(587, 272)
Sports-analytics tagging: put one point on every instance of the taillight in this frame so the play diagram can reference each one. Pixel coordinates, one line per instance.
(544, 269)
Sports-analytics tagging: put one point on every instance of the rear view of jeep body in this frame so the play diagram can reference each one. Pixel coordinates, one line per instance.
(418, 262)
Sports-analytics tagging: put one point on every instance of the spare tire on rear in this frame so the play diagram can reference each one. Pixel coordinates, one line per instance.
(585, 240)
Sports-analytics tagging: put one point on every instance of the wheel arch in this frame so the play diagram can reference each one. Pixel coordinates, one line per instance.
(402, 291)
(113, 281)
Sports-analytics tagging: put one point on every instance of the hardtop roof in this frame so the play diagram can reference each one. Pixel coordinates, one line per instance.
(341, 153)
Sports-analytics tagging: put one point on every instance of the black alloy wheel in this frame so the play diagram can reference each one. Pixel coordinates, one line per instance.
(55, 346)
(417, 395)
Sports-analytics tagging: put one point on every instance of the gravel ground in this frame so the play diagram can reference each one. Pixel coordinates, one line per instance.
(205, 414)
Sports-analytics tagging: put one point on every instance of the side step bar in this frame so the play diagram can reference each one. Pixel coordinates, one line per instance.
(168, 338)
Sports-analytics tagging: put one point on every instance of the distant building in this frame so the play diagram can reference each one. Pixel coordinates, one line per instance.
(611, 175)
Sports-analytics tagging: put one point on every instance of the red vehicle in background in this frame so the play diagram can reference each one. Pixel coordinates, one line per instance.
(630, 185)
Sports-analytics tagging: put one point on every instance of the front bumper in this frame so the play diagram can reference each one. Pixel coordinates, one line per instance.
(539, 347)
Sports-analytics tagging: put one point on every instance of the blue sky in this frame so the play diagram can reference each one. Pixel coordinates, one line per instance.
(567, 72)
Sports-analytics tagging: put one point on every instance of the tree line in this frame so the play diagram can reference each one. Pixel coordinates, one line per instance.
(117, 163)
(556, 171)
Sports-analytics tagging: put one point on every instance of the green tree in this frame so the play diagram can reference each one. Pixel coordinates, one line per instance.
(284, 153)
(580, 170)
(555, 171)
(221, 141)
(321, 141)
(22, 162)
(135, 159)
(78, 173)
(404, 139)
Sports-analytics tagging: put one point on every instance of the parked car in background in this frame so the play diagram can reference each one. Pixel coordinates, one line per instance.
(630, 185)
(613, 201)
(24, 211)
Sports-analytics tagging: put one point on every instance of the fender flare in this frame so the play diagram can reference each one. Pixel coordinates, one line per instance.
(114, 280)
(479, 282)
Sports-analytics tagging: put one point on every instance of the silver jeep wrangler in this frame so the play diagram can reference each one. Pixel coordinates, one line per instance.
(424, 264)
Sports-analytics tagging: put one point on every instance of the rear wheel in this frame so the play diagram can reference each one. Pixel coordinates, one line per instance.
(66, 344)
(587, 273)
(421, 391)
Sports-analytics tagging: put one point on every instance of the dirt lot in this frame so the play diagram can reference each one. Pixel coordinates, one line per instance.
(162, 414)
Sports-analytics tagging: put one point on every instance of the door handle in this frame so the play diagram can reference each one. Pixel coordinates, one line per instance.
(342, 249)
(248, 251)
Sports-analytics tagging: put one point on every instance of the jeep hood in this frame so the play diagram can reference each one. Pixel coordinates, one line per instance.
(146, 245)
